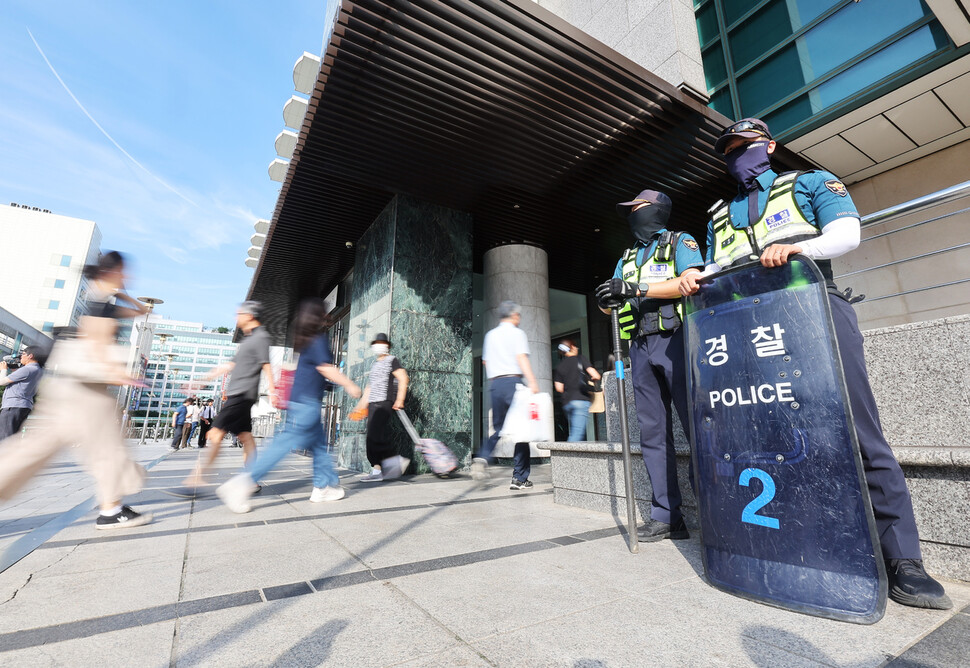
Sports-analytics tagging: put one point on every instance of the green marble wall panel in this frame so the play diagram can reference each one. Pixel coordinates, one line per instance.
(430, 343)
(438, 401)
(373, 260)
(370, 313)
(432, 260)
(413, 280)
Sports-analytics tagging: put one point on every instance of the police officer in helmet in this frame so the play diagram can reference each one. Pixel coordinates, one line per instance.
(645, 287)
(773, 217)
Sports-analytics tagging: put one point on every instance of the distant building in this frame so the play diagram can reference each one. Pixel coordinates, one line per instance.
(194, 352)
(15, 334)
(41, 275)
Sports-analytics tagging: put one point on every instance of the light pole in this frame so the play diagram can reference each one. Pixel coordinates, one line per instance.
(150, 302)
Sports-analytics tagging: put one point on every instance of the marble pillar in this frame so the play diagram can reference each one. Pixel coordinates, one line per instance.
(521, 273)
(413, 280)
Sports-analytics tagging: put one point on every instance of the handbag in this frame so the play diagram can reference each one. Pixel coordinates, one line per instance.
(528, 420)
(596, 402)
(80, 359)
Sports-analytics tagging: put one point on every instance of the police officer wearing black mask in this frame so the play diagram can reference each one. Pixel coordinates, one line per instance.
(645, 287)
(773, 217)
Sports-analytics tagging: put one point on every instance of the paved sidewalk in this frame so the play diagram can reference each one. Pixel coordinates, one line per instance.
(418, 572)
(59, 488)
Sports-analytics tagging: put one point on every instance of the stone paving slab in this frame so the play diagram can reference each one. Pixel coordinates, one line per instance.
(367, 625)
(58, 488)
(145, 646)
(416, 572)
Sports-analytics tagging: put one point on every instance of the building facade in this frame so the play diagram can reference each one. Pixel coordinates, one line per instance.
(41, 276)
(15, 334)
(877, 92)
(169, 354)
(448, 158)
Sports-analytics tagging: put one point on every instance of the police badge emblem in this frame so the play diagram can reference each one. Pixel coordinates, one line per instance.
(837, 187)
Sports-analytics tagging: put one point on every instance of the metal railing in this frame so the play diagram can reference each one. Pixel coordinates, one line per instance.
(264, 426)
(889, 214)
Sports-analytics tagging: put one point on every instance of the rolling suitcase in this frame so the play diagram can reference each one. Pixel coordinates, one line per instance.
(441, 460)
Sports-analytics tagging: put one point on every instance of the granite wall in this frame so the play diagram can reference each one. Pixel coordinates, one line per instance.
(659, 35)
(413, 280)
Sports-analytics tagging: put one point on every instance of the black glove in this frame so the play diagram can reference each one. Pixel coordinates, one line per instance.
(607, 304)
(614, 292)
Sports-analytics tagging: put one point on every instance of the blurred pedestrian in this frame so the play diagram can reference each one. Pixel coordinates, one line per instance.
(303, 430)
(386, 389)
(179, 419)
(193, 420)
(573, 379)
(206, 416)
(76, 406)
(505, 356)
(21, 386)
(251, 361)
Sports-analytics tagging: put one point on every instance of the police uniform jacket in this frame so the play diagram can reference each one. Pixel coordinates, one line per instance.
(686, 255)
(820, 197)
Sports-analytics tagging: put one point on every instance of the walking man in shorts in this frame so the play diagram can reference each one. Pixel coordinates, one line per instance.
(251, 360)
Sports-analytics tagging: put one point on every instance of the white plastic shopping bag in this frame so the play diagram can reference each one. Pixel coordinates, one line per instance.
(529, 420)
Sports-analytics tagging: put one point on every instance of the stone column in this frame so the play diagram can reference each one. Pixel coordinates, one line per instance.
(521, 273)
(413, 280)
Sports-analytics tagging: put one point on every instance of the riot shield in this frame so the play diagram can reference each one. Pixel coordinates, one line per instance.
(784, 509)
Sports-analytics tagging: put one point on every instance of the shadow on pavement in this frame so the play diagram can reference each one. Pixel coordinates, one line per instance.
(315, 648)
(754, 639)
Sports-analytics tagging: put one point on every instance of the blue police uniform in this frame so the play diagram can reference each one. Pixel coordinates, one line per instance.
(822, 198)
(659, 377)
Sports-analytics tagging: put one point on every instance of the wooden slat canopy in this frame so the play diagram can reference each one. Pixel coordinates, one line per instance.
(494, 107)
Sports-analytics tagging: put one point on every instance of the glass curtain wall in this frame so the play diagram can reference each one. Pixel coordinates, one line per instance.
(792, 62)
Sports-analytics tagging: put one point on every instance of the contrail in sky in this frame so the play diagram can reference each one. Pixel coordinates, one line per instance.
(98, 125)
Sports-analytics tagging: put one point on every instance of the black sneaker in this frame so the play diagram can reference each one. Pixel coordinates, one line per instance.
(910, 585)
(126, 518)
(655, 530)
(520, 484)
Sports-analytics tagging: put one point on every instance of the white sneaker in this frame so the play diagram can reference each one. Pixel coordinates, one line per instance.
(479, 468)
(375, 475)
(320, 494)
(235, 493)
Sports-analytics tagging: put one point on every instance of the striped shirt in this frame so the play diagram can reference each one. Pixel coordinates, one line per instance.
(383, 384)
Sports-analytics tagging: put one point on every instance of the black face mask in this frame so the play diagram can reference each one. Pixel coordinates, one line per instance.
(747, 162)
(647, 221)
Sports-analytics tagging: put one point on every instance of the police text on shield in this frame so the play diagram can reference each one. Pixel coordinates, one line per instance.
(745, 396)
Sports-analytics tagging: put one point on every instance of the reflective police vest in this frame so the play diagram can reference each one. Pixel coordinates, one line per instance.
(652, 271)
(782, 221)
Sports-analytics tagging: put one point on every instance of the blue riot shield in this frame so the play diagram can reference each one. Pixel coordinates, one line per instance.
(784, 509)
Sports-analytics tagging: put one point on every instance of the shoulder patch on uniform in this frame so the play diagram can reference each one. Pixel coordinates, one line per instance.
(837, 187)
(690, 244)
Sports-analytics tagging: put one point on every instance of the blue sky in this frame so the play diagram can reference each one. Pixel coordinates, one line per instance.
(192, 91)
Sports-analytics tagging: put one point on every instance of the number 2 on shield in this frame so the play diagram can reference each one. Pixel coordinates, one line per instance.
(749, 515)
